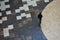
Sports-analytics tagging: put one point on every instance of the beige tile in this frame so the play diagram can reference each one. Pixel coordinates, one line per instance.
(4, 18)
(6, 32)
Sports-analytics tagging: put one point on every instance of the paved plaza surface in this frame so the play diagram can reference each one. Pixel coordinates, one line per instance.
(19, 19)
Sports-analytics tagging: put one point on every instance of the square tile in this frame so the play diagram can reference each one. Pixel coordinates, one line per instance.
(23, 14)
(24, 0)
(36, 0)
(25, 7)
(2, 6)
(34, 3)
(7, 6)
(4, 18)
(6, 0)
(8, 12)
(29, 3)
(28, 15)
(21, 8)
(18, 17)
(10, 27)
(1, 21)
(17, 10)
(0, 14)
(6, 32)
(46, 1)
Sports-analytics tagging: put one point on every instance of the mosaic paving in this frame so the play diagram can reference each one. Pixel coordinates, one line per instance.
(19, 19)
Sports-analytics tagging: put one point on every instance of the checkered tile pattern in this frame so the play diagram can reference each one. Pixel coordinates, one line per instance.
(23, 15)
(14, 14)
(18, 20)
(3, 6)
(6, 30)
(8, 19)
(31, 2)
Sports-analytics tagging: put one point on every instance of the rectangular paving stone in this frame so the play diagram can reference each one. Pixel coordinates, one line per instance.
(10, 27)
(6, 32)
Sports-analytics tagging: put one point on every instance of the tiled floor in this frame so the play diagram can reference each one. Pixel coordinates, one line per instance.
(19, 22)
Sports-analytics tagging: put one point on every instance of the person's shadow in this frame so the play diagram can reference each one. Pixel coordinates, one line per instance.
(42, 34)
(40, 18)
